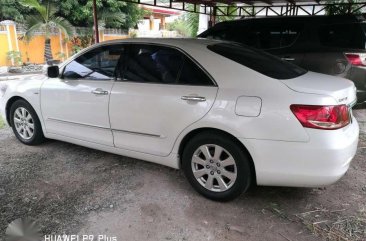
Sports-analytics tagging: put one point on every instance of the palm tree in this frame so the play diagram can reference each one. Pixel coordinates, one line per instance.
(45, 20)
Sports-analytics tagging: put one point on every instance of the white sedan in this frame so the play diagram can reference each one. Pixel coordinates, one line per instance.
(229, 116)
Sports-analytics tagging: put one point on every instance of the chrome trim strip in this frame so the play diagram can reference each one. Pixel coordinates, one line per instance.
(350, 105)
(105, 128)
(77, 123)
(137, 133)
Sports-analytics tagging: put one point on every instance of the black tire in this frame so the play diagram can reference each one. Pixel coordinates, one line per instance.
(241, 158)
(37, 137)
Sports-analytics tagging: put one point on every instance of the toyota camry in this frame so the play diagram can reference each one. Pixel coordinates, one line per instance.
(228, 115)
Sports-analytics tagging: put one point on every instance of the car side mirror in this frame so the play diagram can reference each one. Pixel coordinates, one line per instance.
(53, 71)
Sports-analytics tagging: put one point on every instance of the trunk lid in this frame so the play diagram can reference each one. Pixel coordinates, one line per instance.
(342, 90)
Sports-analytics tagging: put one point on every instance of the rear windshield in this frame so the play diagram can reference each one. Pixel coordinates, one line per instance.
(348, 35)
(257, 60)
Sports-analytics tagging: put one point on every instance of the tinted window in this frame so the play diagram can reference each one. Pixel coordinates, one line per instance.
(148, 63)
(342, 36)
(193, 75)
(97, 64)
(158, 64)
(258, 34)
(257, 60)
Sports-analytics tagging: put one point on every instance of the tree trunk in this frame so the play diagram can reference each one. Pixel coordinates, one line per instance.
(47, 50)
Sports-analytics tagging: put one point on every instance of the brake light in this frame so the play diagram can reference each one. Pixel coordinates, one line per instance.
(356, 59)
(322, 117)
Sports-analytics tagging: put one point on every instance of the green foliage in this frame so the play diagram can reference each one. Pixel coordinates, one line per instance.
(2, 122)
(15, 56)
(231, 10)
(45, 18)
(60, 55)
(341, 9)
(192, 22)
(82, 41)
(12, 10)
(181, 26)
(111, 13)
(192, 19)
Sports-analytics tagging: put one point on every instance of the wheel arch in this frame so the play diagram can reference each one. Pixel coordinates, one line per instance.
(8, 105)
(198, 131)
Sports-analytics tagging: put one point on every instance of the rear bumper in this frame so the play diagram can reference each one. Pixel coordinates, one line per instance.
(358, 76)
(321, 161)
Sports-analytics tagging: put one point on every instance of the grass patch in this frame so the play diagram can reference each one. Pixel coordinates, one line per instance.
(333, 225)
(2, 123)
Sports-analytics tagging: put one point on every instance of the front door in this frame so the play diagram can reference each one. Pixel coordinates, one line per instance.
(76, 105)
(160, 93)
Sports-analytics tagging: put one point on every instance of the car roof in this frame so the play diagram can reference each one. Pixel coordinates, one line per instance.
(176, 42)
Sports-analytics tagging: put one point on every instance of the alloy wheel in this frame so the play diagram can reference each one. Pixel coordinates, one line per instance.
(214, 168)
(24, 123)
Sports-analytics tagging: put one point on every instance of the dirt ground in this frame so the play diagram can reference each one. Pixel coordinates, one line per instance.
(76, 190)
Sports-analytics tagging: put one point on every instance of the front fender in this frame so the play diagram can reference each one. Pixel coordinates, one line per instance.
(27, 88)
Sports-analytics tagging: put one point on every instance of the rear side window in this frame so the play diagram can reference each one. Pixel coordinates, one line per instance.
(164, 65)
(192, 74)
(259, 61)
(348, 35)
(155, 64)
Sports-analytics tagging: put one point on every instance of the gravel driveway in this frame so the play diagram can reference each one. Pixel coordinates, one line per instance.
(76, 190)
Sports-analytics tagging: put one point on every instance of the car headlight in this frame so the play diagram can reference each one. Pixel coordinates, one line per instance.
(3, 88)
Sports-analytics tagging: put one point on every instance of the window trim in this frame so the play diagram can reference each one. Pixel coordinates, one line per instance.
(127, 44)
(184, 53)
(85, 51)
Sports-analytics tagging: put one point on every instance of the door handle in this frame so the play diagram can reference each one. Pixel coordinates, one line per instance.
(194, 98)
(288, 59)
(100, 91)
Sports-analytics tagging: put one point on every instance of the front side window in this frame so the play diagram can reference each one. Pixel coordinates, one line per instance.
(163, 65)
(97, 64)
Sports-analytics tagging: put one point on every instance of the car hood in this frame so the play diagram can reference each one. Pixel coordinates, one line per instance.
(343, 90)
(16, 80)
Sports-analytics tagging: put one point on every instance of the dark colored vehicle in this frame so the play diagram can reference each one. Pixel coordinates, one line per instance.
(334, 45)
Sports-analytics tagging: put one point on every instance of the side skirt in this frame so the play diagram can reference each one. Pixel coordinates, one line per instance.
(170, 161)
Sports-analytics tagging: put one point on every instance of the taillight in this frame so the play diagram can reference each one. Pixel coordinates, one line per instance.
(356, 59)
(322, 117)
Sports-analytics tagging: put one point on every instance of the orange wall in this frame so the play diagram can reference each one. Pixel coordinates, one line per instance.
(3, 48)
(33, 51)
(112, 37)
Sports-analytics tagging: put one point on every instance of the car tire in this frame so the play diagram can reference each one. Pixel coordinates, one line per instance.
(25, 123)
(219, 177)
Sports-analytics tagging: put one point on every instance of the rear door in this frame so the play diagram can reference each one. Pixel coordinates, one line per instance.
(159, 93)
